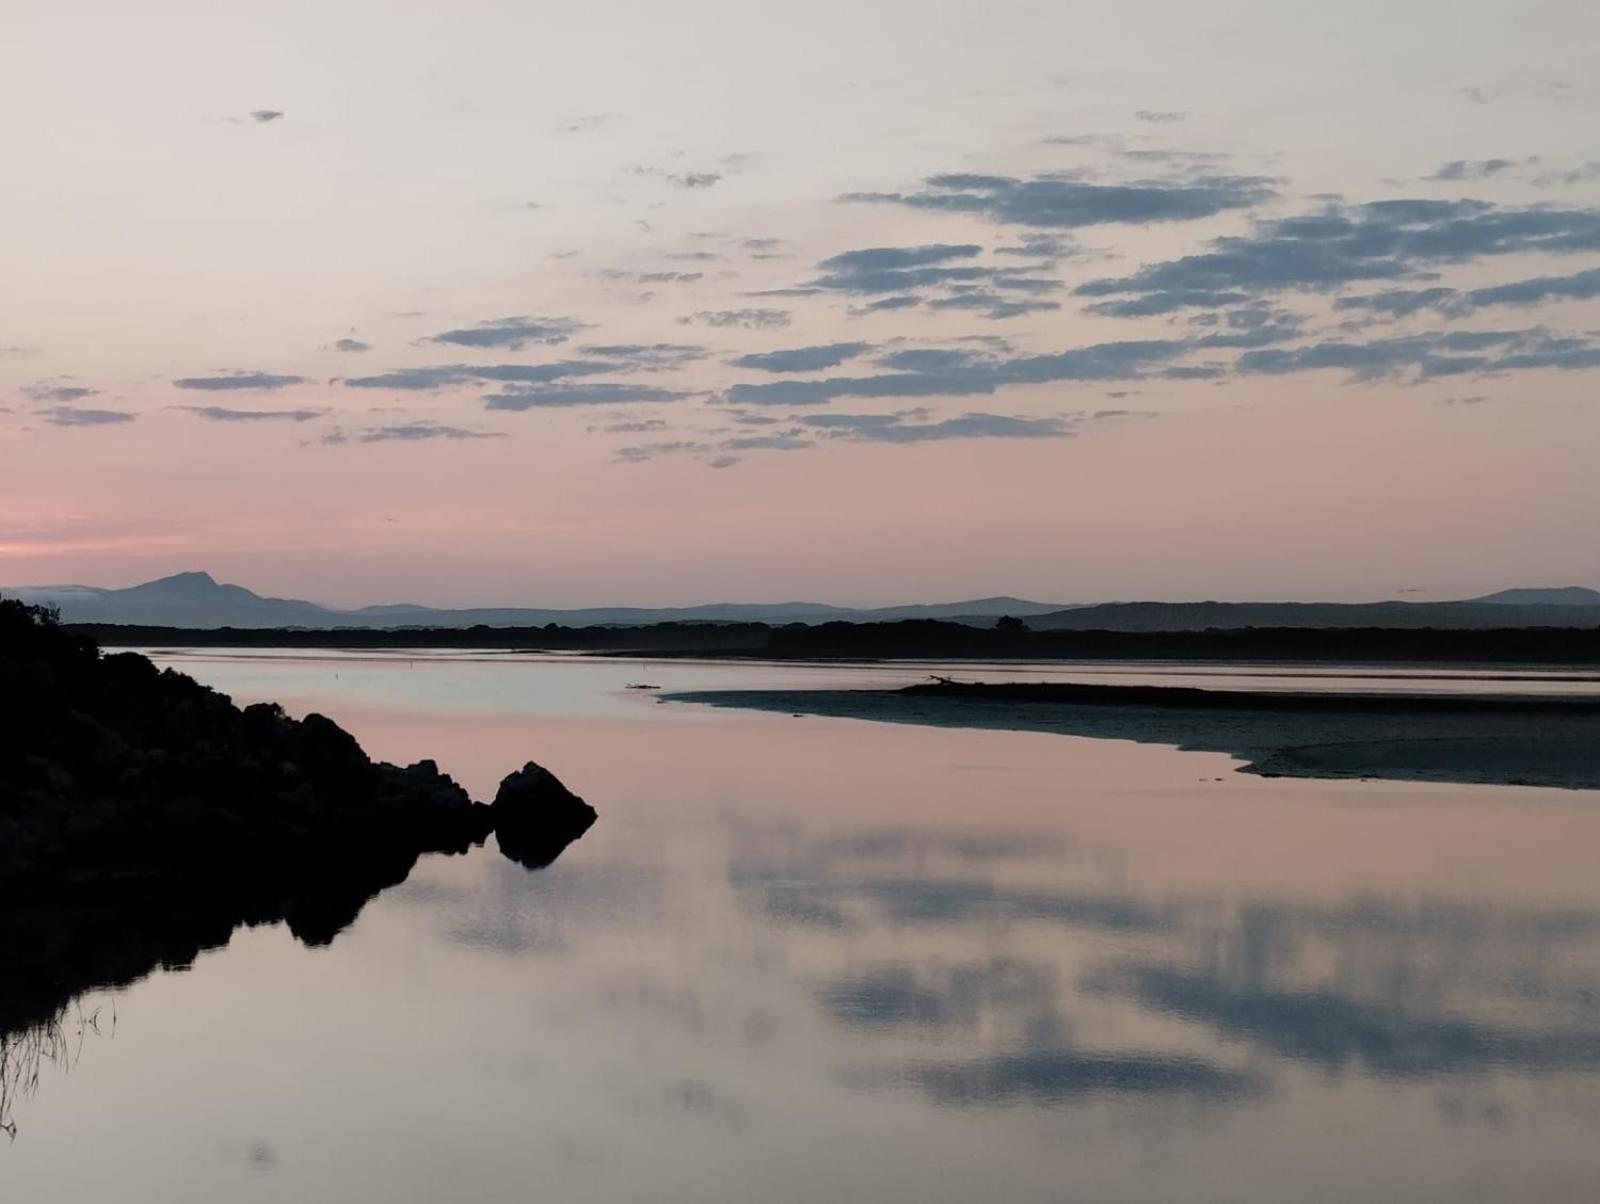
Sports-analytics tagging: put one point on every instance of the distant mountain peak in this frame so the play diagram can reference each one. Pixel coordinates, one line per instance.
(1561, 595)
(181, 585)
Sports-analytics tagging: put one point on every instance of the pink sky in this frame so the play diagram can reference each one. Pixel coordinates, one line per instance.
(1171, 336)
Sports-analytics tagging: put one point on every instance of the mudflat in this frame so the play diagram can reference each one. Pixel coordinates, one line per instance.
(1493, 739)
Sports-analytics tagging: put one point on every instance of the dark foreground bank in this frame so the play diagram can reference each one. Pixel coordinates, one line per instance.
(1492, 740)
(143, 817)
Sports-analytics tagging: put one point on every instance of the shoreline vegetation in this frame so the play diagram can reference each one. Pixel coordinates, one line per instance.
(143, 817)
(927, 639)
(1503, 740)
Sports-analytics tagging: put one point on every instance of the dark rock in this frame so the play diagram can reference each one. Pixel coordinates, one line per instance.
(536, 817)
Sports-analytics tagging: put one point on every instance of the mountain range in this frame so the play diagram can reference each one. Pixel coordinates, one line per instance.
(197, 600)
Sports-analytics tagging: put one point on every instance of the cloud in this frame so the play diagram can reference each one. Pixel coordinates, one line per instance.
(888, 304)
(538, 396)
(410, 432)
(266, 116)
(238, 380)
(1349, 244)
(58, 393)
(74, 416)
(640, 452)
(766, 442)
(223, 414)
(1164, 301)
(1427, 356)
(892, 428)
(511, 333)
(635, 426)
(443, 375)
(802, 359)
(1047, 248)
(652, 277)
(351, 345)
(746, 319)
(696, 180)
(1065, 202)
(877, 259)
(1473, 169)
(905, 271)
(1398, 302)
(991, 304)
(1582, 174)
(898, 269)
(1580, 286)
(722, 461)
(646, 357)
(929, 359)
(1097, 362)
(1160, 116)
(588, 123)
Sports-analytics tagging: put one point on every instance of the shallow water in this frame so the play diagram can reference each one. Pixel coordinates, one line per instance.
(809, 958)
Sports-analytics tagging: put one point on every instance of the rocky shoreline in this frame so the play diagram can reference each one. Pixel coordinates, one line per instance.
(143, 817)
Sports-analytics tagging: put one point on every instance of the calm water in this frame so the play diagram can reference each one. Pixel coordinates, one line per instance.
(808, 959)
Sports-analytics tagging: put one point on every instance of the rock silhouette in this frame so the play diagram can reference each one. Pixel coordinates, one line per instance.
(536, 817)
(143, 817)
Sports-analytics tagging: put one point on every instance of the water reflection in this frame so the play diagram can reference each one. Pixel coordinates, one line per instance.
(808, 957)
(53, 1043)
(1054, 1076)
(57, 949)
(1432, 988)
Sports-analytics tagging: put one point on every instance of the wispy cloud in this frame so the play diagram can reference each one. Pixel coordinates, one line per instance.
(58, 392)
(532, 397)
(511, 333)
(266, 381)
(408, 432)
(1473, 169)
(894, 428)
(746, 319)
(647, 356)
(75, 416)
(445, 375)
(589, 123)
(224, 414)
(972, 375)
(1067, 202)
(1350, 244)
(939, 275)
(638, 453)
(802, 359)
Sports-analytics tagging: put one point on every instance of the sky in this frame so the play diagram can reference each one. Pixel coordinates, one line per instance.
(506, 303)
